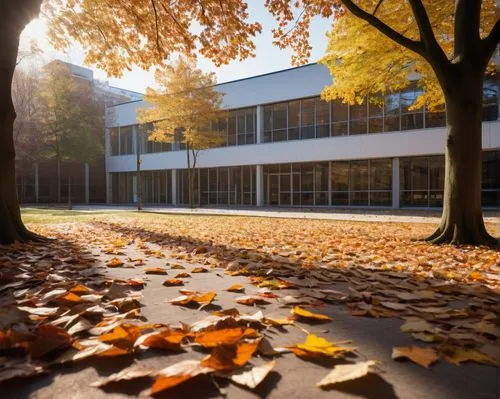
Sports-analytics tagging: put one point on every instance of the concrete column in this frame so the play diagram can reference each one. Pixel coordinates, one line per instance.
(395, 182)
(87, 182)
(259, 132)
(37, 189)
(259, 177)
(174, 186)
(109, 188)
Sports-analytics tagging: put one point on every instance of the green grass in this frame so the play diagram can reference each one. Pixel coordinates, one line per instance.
(54, 216)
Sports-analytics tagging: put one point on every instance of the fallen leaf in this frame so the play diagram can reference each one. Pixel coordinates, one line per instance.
(178, 373)
(458, 355)
(177, 267)
(230, 357)
(165, 339)
(199, 270)
(204, 299)
(250, 300)
(253, 377)
(173, 282)
(422, 356)
(298, 311)
(236, 288)
(155, 270)
(48, 338)
(183, 275)
(41, 311)
(418, 325)
(115, 262)
(315, 346)
(347, 372)
(210, 339)
(130, 373)
(266, 349)
(14, 368)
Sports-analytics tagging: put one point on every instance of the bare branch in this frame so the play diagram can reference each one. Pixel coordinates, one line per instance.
(377, 7)
(490, 42)
(415, 46)
(156, 27)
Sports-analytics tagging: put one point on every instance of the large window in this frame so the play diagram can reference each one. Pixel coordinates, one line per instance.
(121, 140)
(362, 183)
(422, 181)
(491, 179)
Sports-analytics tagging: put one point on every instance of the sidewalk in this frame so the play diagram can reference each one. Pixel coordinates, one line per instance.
(357, 215)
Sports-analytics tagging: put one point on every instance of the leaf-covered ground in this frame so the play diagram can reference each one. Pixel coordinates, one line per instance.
(204, 306)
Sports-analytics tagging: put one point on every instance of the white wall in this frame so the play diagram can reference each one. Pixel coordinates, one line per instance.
(382, 145)
(306, 81)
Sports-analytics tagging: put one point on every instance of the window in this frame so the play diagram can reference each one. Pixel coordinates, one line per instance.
(411, 118)
(126, 142)
(376, 114)
(307, 119)
(294, 120)
(357, 119)
(490, 99)
(391, 112)
(491, 182)
(322, 118)
(422, 181)
(114, 140)
(231, 129)
(340, 117)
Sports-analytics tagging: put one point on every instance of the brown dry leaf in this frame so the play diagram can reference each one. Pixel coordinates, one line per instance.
(165, 339)
(266, 349)
(71, 298)
(250, 300)
(277, 322)
(177, 267)
(422, 356)
(253, 377)
(458, 355)
(135, 283)
(115, 262)
(236, 288)
(174, 282)
(48, 338)
(347, 372)
(40, 311)
(130, 373)
(226, 336)
(178, 373)
(199, 270)
(183, 275)
(418, 326)
(80, 289)
(315, 346)
(155, 270)
(203, 299)
(122, 336)
(298, 311)
(230, 357)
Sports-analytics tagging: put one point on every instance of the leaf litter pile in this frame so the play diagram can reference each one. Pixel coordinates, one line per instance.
(59, 305)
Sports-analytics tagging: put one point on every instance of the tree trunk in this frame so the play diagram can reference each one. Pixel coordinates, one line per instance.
(190, 185)
(462, 219)
(14, 15)
(58, 163)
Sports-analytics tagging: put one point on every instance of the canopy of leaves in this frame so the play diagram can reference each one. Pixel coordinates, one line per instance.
(186, 101)
(362, 59)
(118, 34)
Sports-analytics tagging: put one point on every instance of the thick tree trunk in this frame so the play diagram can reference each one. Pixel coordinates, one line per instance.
(14, 15)
(58, 164)
(462, 219)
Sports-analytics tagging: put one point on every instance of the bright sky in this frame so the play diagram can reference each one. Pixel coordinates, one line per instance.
(268, 57)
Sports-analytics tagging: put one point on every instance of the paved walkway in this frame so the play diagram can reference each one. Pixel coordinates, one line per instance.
(358, 215)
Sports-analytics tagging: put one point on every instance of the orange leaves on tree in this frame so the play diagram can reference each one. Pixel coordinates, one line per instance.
(305, 314)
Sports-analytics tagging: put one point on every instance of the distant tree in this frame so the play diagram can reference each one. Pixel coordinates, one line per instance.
(183, 110)
(115, 36)
(375, 44)
(72, 118)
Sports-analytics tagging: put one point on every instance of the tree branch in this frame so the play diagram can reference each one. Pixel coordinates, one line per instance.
(467, 22)
(377, 7)
(490, 42)
(156, 27)
(433, 51)
(415, 46)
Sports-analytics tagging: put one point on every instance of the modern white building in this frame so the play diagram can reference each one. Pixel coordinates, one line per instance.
(286, 147)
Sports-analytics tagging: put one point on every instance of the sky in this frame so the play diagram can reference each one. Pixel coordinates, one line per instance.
(268, 57)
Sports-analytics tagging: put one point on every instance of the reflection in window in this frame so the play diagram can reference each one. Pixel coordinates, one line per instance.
(340, 118)
(411, 118)
(391, 112)
(376, 114)
(490, 99)
(307, 120)
(357, 118)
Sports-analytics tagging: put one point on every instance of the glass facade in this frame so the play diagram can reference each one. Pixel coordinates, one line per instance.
(234, 185)
(422, 180)
(121, 140)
